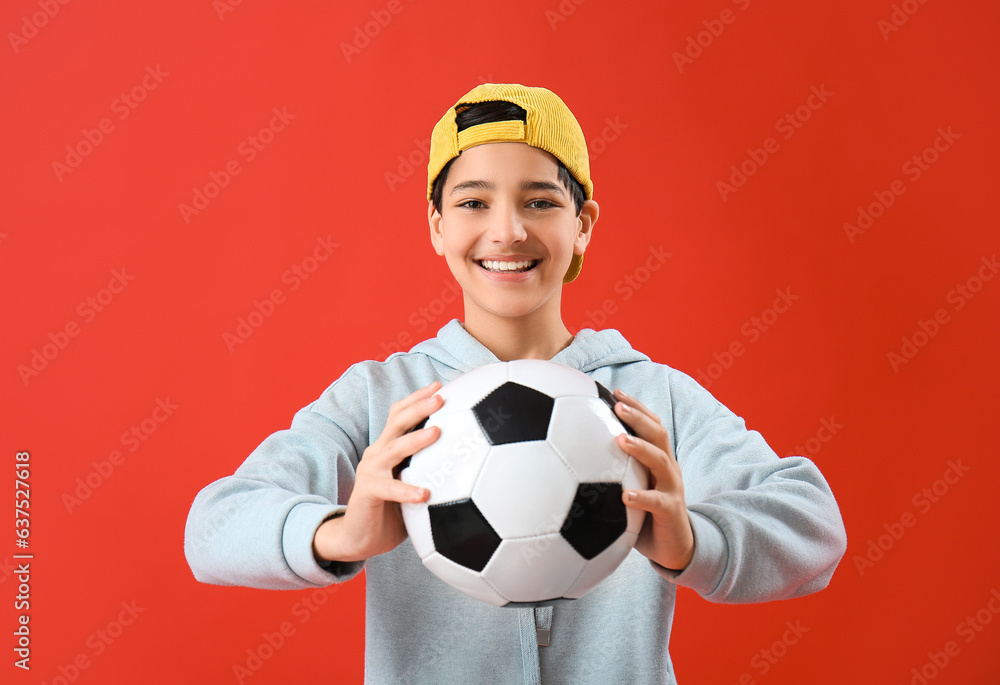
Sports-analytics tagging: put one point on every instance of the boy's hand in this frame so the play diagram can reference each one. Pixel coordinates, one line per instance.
(666, 535)
(373, 523)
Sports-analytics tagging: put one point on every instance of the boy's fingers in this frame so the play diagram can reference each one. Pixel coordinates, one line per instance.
(630, 401)
(640, 421)
(649, 501)
(391, 453)
(646, 424)
(652, 457)
(411, 410)
(659, 505)
(397, 491)
(415, 397)
(409, 444)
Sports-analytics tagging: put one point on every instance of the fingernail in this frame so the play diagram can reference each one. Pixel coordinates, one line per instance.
(630, 495)
(629, 440)
(626, 409)
(622, 392)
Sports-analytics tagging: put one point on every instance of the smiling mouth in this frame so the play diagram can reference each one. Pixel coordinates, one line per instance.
(508, 267)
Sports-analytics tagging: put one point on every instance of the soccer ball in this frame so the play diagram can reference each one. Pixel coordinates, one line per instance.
(526, 481)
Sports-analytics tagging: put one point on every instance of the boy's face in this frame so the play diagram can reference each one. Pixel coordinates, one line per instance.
(504, 201)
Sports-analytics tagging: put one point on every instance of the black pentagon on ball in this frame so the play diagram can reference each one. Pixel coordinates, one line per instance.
(461, 533)
(596, 518)
(514, 413)
(609, 399)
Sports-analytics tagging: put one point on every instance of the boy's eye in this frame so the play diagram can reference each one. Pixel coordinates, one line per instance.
(534, 204)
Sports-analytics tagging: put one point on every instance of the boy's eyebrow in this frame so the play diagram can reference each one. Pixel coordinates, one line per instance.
(473, 185)
(543, 185)
(525, 185)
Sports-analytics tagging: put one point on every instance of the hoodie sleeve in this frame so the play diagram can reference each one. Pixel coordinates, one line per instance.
(255, 527)
(765, 527)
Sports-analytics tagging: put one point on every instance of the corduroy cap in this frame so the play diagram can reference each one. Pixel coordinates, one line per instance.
(549, 125)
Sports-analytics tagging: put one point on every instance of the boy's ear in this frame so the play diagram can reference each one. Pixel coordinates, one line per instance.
(434, 220)
(585, 226)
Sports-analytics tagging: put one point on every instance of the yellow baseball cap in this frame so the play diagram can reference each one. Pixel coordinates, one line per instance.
(549, 125)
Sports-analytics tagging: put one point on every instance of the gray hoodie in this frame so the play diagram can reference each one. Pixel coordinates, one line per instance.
(765, 528)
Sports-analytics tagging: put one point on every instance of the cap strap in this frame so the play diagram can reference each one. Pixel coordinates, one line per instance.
(491, 132)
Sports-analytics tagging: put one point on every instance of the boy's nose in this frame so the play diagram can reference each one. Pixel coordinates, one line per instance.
(507, 227)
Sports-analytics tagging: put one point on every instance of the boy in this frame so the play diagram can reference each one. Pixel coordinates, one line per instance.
(511, 210)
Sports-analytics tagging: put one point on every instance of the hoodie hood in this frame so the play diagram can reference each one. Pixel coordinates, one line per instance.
(456, 348)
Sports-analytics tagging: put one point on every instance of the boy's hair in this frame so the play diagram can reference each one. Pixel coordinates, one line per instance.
(487, 112)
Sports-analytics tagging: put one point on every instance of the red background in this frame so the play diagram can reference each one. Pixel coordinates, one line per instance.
(678, 131)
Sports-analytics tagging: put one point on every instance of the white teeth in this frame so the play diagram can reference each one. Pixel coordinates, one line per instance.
(508, 266)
